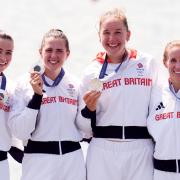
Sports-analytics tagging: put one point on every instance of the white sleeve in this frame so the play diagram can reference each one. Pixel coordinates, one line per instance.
(22, 120)
(157, 83)
(83, 124)
(17, 143)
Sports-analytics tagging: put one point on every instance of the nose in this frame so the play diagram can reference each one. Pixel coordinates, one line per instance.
(53, 54)
(111, 37)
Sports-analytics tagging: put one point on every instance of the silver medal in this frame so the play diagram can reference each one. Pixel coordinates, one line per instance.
(96, 84)
(38, 67)
(4, 97)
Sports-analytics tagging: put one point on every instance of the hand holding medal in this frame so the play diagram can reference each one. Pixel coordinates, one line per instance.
(91, 98)
(36, 81)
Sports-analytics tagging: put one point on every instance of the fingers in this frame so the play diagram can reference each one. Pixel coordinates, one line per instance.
(36, 82)
(91, 98)
(34, 74)
(35, 79)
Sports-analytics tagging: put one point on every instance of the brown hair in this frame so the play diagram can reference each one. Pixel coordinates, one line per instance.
(56, 33)
(4, 35)
(117, 13)
(170, 45)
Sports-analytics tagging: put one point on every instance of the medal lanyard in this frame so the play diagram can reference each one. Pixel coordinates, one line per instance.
(173, 91)
(56, 81)
(105, 64)
(3, 83)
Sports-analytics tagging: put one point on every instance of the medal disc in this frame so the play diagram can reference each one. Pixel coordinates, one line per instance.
(96, 85)
(4, 96)
(38, 67)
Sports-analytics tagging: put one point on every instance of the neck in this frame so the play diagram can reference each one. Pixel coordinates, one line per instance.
(176, 86)
(52, 75)
(120, 58)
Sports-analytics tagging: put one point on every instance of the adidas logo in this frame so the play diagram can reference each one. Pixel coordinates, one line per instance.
(160, 106)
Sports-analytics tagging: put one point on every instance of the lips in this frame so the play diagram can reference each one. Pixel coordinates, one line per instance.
(113, 45)
(53, 62)
(3, 63)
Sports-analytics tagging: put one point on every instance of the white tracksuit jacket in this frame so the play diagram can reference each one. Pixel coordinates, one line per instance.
(164, 124)
(55, 121)
(126, 96)
(5, 133)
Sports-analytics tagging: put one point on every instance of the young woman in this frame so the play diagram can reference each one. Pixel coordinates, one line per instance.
(116, 89)
(164, 119)
(44, 115)
(6, 51)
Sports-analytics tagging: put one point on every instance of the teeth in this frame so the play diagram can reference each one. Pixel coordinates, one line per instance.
(112, 45)
(2, 63)
(53, 62)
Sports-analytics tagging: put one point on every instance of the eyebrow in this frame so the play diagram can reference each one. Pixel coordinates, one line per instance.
(120, 29)
(7, 50)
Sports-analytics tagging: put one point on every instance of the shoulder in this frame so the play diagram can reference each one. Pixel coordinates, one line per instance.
(148, 60)
(22, 84)
(159, 93)
(94, 67)
(71, 79)
(144, 56)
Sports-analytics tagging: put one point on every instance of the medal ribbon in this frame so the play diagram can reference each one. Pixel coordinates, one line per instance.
(56, 81)
(105, 64)
(3, 83)
(173, 91)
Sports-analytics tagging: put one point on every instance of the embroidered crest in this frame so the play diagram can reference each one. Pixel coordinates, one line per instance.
(140, 69)
(71, 90)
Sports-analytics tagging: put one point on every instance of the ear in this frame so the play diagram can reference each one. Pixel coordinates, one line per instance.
(99, 36)
(128, 35)
(68, 53)
(165, 63)
(40, 52)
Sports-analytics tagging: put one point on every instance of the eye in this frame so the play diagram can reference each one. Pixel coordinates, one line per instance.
(118, 32)
(59, 50)
(9, 53)
(173, 60)
(106, 32)
(48, 50)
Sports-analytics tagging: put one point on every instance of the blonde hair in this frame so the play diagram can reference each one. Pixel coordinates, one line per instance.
(117, 13)
(55, 33)
(169, 46)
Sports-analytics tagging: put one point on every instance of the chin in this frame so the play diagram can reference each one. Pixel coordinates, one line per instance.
(2, 69)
